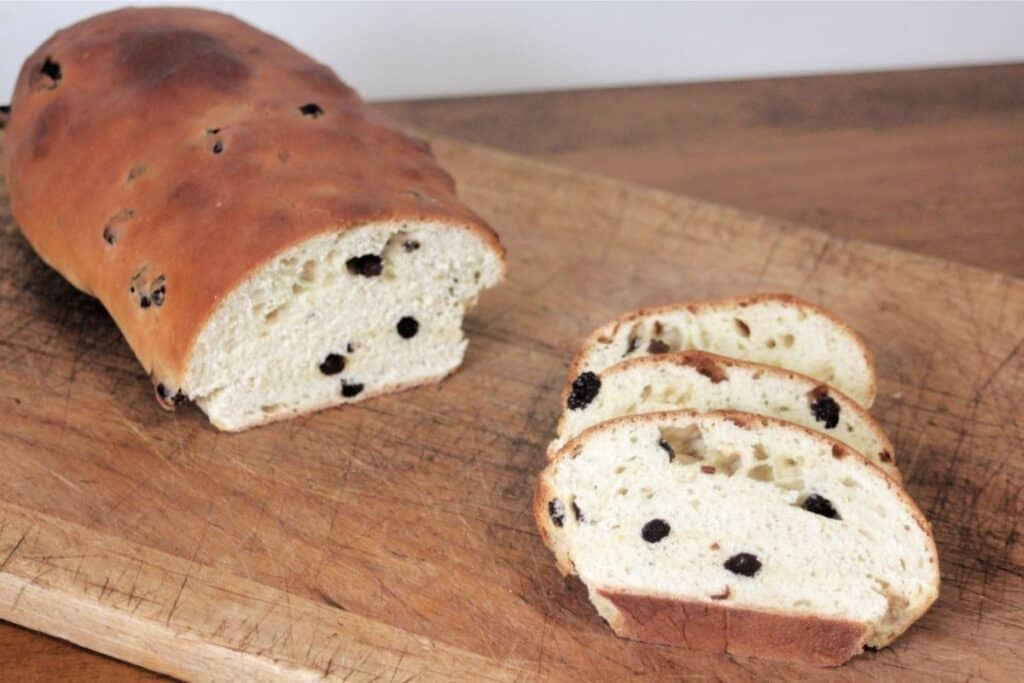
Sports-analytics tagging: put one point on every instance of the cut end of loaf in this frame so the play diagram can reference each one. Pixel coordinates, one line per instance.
(338, 318)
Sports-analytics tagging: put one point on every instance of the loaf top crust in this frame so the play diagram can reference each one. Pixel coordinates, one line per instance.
(157, 157)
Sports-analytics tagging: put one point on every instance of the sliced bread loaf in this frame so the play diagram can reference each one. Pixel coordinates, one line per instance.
(267, 243)
(700, 381)
(737, 533)
(774, 329)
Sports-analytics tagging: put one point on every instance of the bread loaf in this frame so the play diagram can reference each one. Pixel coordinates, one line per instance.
(737, 533)
(774, 329)
(702, 382)
(267, 243)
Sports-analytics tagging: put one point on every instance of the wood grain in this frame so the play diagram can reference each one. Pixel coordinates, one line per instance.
(393, 539)
(931, 161)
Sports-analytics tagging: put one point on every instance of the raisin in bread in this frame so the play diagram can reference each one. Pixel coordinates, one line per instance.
(738, 533)
(267, 244)
(701, 381)
(774, 329)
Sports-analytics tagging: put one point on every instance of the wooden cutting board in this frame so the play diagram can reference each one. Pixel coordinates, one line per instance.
(393, 541)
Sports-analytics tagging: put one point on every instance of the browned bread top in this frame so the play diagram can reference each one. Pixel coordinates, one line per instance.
(156, 157)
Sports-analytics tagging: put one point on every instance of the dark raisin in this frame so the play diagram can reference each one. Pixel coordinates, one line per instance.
(350, 390)
(825, 409)
(584, 390)
(576, 512)
(212, 131)
(51, 69)
(367, 265)
(311, 109)
(668, 449)
(5, 109)
(407, 327)
(166, 400)
(743, 564)
(218, 147)
(885, 456)
(144, 301)
(109, 236)
(870, 648)
(410, 245)
(708, 469)
(332, 364)
(655, 530)
(556, 511)
(657, 346)
(820, 505)
(136, 171)
(158, 295)
(350, 347)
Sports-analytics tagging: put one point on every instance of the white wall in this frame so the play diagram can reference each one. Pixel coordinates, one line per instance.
(393, 50)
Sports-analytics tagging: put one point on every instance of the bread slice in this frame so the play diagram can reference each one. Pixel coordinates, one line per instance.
(737, 533)
(267, 243)
(774, 329)
(700, 381)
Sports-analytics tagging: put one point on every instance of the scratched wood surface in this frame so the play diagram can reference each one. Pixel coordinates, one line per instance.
(392, 540)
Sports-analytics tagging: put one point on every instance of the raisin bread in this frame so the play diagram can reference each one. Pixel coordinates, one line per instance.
(774, 329)
(737, 533)
(267, 244)
(701, 381)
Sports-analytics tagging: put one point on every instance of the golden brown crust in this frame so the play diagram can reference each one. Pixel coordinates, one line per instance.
(611, 327)
(181, 130)
(715, 627)
(713, 365)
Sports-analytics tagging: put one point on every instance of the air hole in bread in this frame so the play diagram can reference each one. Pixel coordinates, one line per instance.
(686, 443)
(788, 340)
(52, 73)
(761, 473)
(760, 453)
(308, 274)
(311, 109)
(741, 327)
(556, 511)
(770, 343)
(274, 313)
(112, 229)
(272, 408)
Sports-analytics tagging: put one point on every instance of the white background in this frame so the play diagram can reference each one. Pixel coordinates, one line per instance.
(396, 50)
